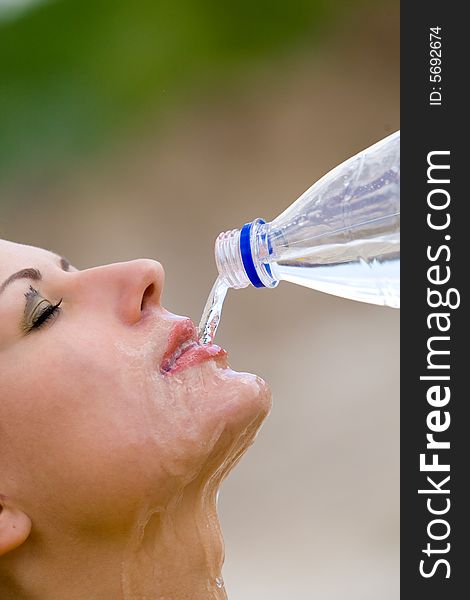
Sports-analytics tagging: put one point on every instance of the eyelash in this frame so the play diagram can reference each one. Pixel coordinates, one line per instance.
(49, 312)
(46, 314)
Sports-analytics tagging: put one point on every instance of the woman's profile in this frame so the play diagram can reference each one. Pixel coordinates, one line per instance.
(116, 429)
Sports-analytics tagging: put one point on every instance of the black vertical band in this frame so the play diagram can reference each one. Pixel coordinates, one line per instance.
(435, 430)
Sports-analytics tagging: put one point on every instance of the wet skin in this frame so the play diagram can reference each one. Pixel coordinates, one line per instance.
(111, 456)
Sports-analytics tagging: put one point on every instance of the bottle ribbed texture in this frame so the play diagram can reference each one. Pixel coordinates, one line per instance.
(229, 260)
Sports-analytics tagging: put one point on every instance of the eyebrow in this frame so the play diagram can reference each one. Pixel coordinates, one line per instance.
(31, 273)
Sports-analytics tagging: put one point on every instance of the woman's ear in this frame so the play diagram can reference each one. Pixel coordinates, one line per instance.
(15, 526)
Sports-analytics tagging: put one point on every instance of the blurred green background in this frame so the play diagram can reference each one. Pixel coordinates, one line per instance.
(78, 74)
(143, 129)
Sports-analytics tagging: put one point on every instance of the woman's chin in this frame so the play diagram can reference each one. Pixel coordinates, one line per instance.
(241, 397)
(218, 394)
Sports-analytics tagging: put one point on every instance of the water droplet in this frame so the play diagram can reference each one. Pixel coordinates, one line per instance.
(219, 582)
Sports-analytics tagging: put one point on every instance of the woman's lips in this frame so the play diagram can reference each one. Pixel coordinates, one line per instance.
(184, 349)
(193, 355)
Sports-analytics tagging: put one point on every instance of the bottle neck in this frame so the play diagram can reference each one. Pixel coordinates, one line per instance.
(242, 256)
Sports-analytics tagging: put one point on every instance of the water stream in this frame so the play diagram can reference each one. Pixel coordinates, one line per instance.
(212, 312)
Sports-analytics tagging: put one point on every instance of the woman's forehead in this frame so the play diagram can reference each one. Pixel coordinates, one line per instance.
(15, 256)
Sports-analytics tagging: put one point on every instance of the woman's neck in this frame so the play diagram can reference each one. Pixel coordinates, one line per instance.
(175, 552)
(180, 549)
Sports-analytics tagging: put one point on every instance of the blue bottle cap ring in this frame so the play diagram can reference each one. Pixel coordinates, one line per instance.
(247, 257)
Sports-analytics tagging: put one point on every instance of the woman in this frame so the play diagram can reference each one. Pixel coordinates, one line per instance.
(116, 429)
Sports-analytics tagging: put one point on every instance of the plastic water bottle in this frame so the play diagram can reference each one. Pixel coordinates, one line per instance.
(342, 236)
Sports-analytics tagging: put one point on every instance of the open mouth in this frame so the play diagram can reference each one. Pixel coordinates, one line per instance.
(184, 349)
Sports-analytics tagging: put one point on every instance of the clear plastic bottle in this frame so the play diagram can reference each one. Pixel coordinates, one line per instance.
(342, 236)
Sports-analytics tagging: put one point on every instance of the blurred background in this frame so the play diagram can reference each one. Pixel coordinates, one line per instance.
(143, 129)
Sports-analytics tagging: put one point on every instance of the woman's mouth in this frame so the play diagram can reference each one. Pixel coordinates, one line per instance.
(184, 349)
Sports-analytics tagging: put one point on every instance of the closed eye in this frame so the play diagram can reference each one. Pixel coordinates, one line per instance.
(46, 314)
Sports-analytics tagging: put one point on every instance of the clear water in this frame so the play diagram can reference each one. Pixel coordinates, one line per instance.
(212, 312)
(367, 270)
(373, 281)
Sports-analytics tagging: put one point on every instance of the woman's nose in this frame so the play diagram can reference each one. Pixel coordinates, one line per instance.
(143, 288)
(132, 288)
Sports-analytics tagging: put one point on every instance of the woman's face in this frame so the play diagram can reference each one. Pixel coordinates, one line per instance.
(95, 413)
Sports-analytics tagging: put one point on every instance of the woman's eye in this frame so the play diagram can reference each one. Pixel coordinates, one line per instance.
(38, 310)
(45, 315)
